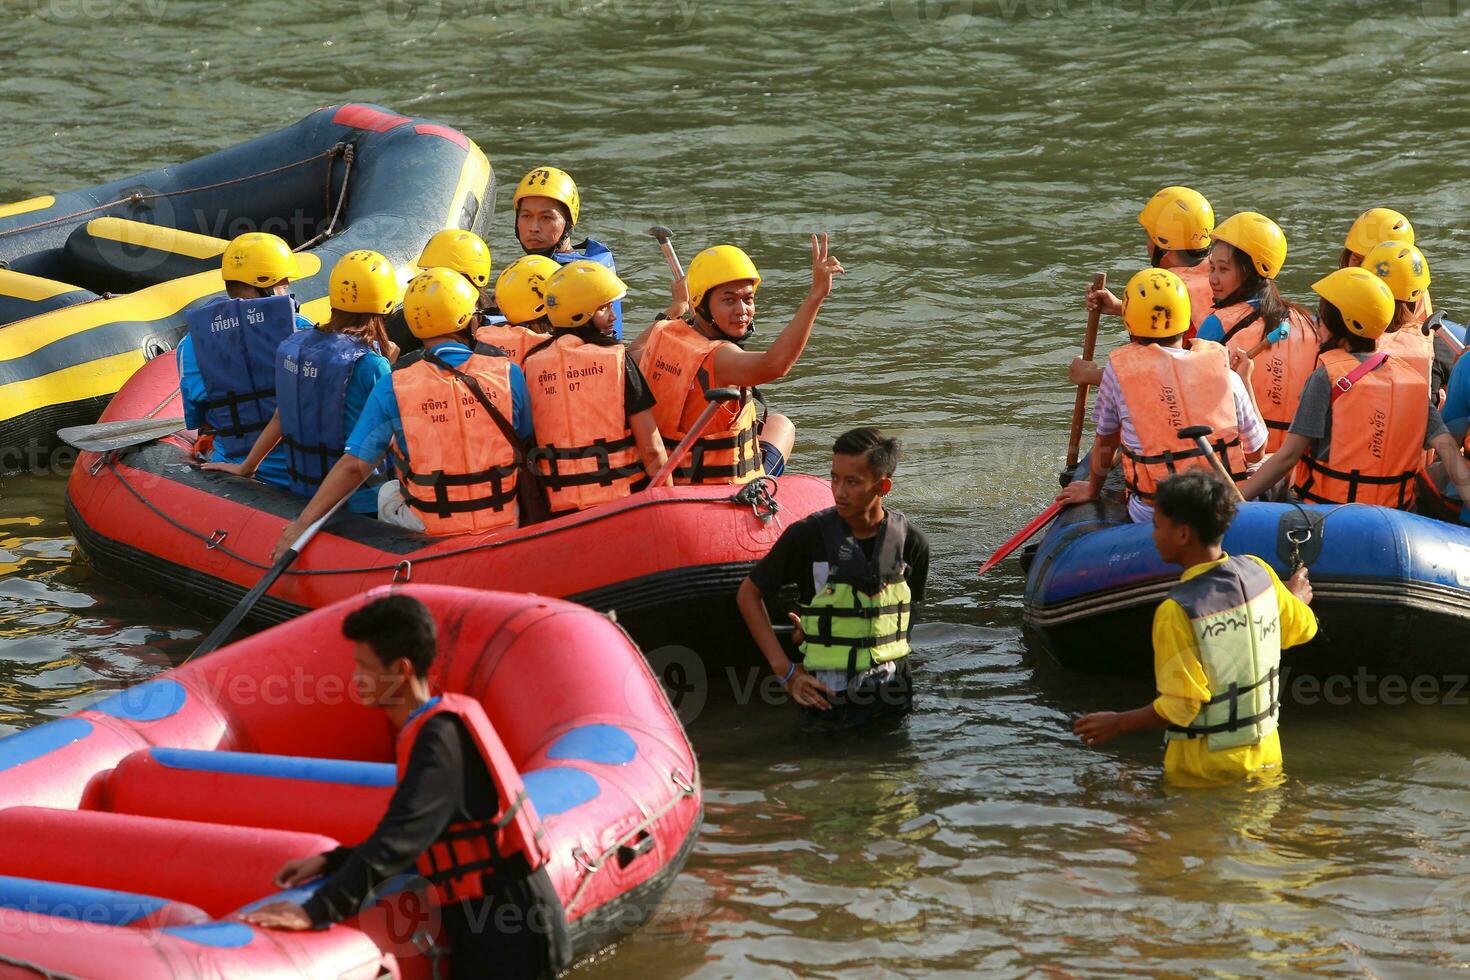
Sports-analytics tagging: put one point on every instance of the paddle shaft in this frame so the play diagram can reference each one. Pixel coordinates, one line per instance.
(686, 445)
(227, 625)
(1089, 347)
(1204, 446)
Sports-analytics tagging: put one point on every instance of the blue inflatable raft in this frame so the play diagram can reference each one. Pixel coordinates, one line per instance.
(1392, 589)
(94, 282)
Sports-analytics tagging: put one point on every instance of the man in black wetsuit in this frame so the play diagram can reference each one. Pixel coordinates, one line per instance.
(444, 786)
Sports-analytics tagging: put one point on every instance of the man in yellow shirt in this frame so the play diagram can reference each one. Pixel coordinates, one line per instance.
(1217, 644)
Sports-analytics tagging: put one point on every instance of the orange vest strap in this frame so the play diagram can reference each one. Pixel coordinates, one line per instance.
(1241, 324)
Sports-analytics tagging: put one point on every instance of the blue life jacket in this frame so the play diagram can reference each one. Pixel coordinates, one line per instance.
(235, 343)
(594, 251)
(313, 368)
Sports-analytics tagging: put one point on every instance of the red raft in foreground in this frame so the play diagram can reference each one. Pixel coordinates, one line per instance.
(135, 828)
(667, 561)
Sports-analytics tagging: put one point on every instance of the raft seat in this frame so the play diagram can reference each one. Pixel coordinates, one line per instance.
(96, 905)
(335, 797)
(116, 255)
(23, 295)
(181, 859)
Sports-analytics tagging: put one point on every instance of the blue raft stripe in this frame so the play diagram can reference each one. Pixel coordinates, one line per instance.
(79, 902)
(152, 701)
(559, 789)
(33, 743)
(278, 766)
(220, 935)
(299, 895)
(608, 744)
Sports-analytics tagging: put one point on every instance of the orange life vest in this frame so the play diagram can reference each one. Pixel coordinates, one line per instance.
(455, 864)
(515, 341)
(1168, 392)
(1378, 425)
(1201, 299)
(585, 452)
(1411, 345)
(678, 362)
(1281, 370)
(455, 452)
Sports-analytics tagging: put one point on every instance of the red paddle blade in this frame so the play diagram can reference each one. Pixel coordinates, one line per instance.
(1020, 537)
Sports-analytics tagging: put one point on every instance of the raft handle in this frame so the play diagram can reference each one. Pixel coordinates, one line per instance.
(583, 861)
(403, 573)
(628, 853)
(682, 781)
(216, 539)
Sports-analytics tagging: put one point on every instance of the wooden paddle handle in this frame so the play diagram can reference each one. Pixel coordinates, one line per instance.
(1089, 346)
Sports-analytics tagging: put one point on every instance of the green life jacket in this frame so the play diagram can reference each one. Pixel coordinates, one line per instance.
(861, 616)
(1233, 611)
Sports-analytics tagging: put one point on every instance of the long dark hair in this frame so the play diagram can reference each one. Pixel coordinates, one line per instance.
(1273, 306)
(365, 328)
(1331, 318)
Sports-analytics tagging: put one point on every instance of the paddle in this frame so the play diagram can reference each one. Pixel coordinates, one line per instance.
(105, 437)
(1436, 323)
(1200, 433)
(663, 236)
(1021, 537)
(1089, 347)
(716, 397)
(227, 625)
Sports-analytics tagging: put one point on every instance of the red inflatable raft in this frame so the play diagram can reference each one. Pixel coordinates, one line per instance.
(667, 561)
(135, 828)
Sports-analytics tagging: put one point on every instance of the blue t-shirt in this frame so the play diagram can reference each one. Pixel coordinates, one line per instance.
(380, 422)
(365, 375)
(1211, 328)
(191, 385)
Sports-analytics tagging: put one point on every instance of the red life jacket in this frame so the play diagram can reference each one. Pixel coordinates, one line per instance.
(1281, 370)
(455, 864)
(1168, 392)
(1378, 424)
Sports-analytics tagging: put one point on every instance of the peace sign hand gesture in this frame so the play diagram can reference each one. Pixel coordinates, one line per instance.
(824, 267)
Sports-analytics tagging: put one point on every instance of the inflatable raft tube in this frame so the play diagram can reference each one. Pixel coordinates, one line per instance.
(667, 562)
(95, 282)
(160, 811)
(1391, 589)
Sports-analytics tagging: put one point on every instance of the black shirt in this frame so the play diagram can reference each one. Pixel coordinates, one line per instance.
(636, 395)
(446, 782)
(794, 554)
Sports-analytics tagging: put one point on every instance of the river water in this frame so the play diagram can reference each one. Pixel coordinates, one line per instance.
(975, 163)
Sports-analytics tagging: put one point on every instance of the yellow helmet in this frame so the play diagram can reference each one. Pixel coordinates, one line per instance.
(438, 302)
(258, 258)
(1378, 225)
(1257, 236)
(363, 282)
(520, 292)
(553, 183)
(715, 266)
(578, 290)
(463, 251)
(1361, 297)
(1402, 266)
(1156, 304)
(1178, 217)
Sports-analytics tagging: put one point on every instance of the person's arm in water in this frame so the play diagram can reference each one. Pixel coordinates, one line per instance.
(746, 369)
(268, 439)
(805, 689)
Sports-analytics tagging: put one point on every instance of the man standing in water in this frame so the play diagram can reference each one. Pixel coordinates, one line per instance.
(1217, 640)
(859, 568)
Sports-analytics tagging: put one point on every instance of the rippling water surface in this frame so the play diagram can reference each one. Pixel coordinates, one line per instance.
(975, 163)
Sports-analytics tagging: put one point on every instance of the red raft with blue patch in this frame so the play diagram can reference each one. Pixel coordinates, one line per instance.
(137, 827)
